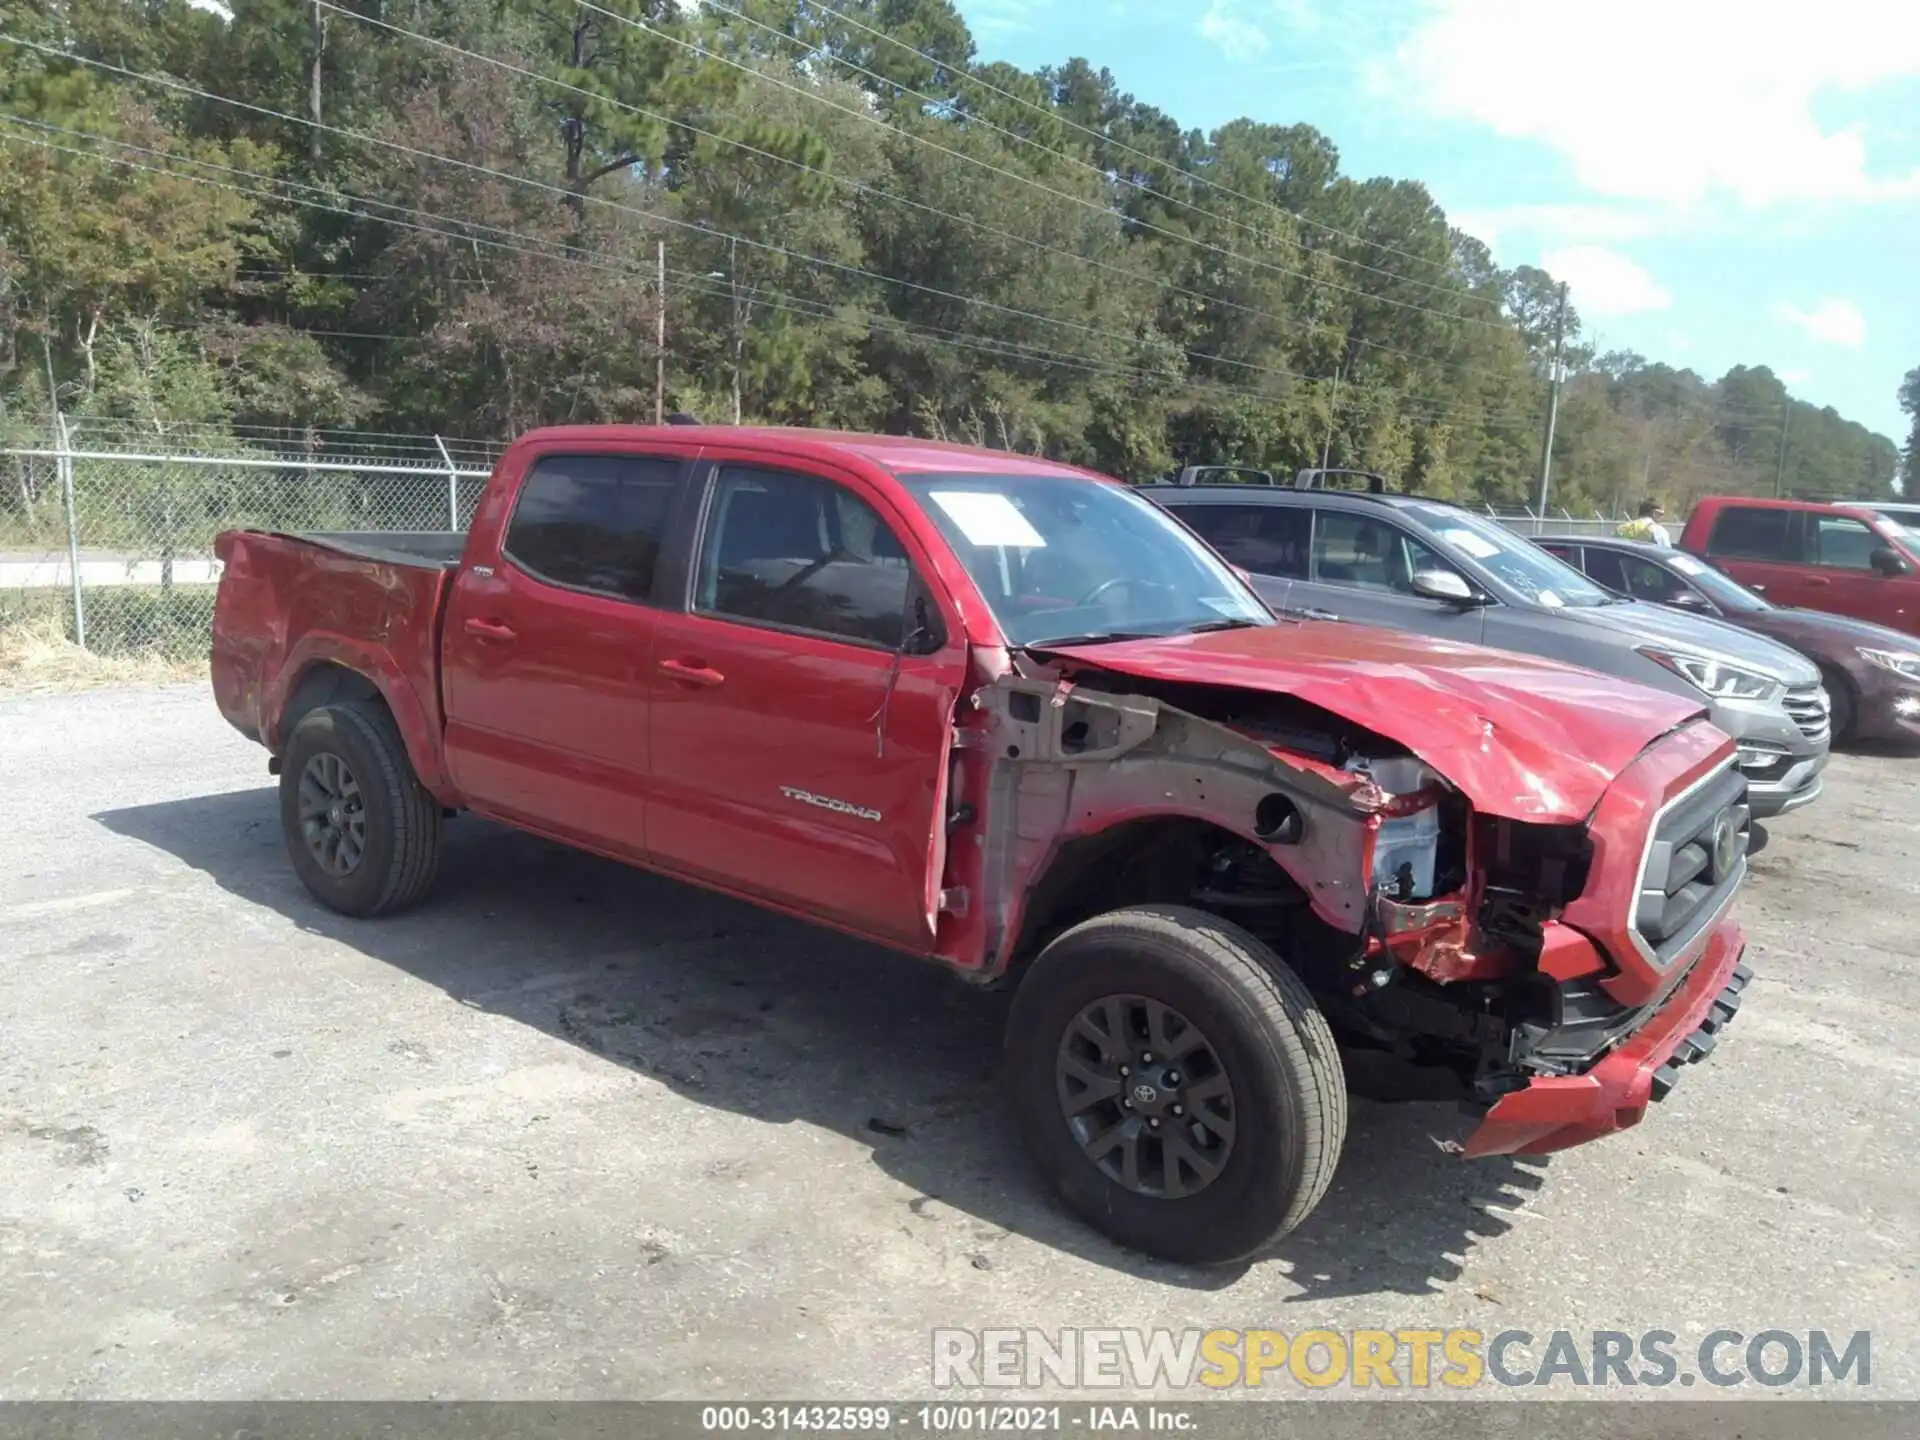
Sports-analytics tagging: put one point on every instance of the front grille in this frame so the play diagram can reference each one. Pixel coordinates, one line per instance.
(1694, 861)
(1811, 711)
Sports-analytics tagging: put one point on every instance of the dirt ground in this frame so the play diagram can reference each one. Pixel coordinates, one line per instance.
(573, 1131)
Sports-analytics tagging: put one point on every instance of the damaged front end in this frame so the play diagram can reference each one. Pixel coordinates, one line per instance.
(1438, 937)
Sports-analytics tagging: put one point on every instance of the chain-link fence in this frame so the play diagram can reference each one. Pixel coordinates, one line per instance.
(118, 543)
(1528, 522)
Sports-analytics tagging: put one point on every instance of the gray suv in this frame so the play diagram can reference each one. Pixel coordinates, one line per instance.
(1411, 563)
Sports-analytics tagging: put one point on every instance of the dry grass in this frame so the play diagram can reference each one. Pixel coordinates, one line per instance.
(36, 658)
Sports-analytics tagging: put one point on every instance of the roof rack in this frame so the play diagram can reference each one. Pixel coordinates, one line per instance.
(1316, 479)
(1205, 475)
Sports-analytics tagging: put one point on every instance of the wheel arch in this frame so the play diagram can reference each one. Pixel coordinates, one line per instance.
(1143, 860)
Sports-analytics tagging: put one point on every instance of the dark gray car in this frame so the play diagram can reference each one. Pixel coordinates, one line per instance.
(1426, 565)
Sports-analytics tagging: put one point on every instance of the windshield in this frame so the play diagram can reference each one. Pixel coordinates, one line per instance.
(1520, 563)
(1062, 558)
(1726, 592)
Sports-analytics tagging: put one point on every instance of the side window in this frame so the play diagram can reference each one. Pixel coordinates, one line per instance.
(1745, 533)
(594, 522)
(799, 552)
(1648, 581)
(1263, 539)
(1605, 567)
(1367, 553)
(1842, 543)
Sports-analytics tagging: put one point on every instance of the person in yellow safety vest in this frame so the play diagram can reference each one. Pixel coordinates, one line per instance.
(1646, 525)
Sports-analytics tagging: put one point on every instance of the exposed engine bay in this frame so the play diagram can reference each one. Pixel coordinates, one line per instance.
(1417, 922)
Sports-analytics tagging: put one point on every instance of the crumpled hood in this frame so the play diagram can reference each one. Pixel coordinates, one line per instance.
(1521, 738)
(1702, 635)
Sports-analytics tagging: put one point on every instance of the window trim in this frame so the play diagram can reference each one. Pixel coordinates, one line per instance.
(654, 600)
(1795, 535)
(688, 598)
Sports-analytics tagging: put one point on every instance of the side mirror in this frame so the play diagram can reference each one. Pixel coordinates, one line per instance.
(1691, 600)
(1889, 561)
(1444, 585)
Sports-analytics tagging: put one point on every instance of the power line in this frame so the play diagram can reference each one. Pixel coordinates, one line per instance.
(1003, 348)
(1053, 113)
(1029, 181)
(862, 188)
(657, 217)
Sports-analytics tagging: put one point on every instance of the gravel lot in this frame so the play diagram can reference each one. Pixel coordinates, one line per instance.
(573, 1131)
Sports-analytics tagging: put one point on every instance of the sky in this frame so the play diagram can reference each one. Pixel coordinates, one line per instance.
(1719, 182)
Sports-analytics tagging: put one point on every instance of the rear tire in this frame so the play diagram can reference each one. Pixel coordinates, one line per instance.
(363, 833)
(1263, 1106)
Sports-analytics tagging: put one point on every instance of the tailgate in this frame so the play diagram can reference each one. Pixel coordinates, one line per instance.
(286, 604)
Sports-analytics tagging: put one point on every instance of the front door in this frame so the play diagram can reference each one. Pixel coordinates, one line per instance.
(799, 746)
(1362, 567)
(548, 649)
(1845, 580)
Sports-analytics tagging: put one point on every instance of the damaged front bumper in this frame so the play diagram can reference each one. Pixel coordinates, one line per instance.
(1559, 1111)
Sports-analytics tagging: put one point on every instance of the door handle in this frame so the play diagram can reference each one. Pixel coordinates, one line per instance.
(489, 629)
(692, 672)
(1818, 580)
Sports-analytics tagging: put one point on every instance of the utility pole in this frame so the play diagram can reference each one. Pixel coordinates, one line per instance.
(1780, 470)
(660, 343)
(1333, 410)
(1553, 399)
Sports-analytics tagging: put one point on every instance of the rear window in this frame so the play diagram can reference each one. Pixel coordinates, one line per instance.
(1744, 532)
(594, 522)
(1262, 539)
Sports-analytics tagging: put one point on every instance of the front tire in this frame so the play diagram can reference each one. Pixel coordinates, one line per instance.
(363, 833)
(1845, 709)
(1222, 1130)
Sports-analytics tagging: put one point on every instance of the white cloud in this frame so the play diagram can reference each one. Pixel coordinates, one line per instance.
(1605, 282)
(997, 19)
(1554, 222)
(1672, 100)
(1227, 27)
(1833, 322)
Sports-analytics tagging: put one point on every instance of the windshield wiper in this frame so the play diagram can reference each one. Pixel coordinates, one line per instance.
(1207, 626)
(1058, 642)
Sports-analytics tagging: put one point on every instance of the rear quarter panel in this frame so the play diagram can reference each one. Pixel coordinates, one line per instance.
(286, 606)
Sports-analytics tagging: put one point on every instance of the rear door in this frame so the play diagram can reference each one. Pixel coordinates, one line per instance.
(1269, 542)
(548, 645)
(1764, 548)
(799, 746)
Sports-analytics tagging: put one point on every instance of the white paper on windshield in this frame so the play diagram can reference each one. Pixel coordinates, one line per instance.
(1550, 599)
(988, 519)
(1686, 565)
(1478, 546)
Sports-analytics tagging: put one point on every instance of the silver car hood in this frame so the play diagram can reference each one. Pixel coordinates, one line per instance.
(1699, 635)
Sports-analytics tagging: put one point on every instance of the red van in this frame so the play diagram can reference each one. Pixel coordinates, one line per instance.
(1845, 559)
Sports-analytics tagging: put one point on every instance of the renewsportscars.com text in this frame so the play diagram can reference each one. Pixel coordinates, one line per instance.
(1395, 1359)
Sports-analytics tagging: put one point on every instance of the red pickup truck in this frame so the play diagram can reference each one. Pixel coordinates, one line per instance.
(1845, 559)
(1013, 718)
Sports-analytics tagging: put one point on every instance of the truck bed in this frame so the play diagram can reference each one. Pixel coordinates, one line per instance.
(368, 601)
(440, 549)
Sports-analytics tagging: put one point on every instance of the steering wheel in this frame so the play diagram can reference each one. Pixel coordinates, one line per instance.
(1110, 582)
